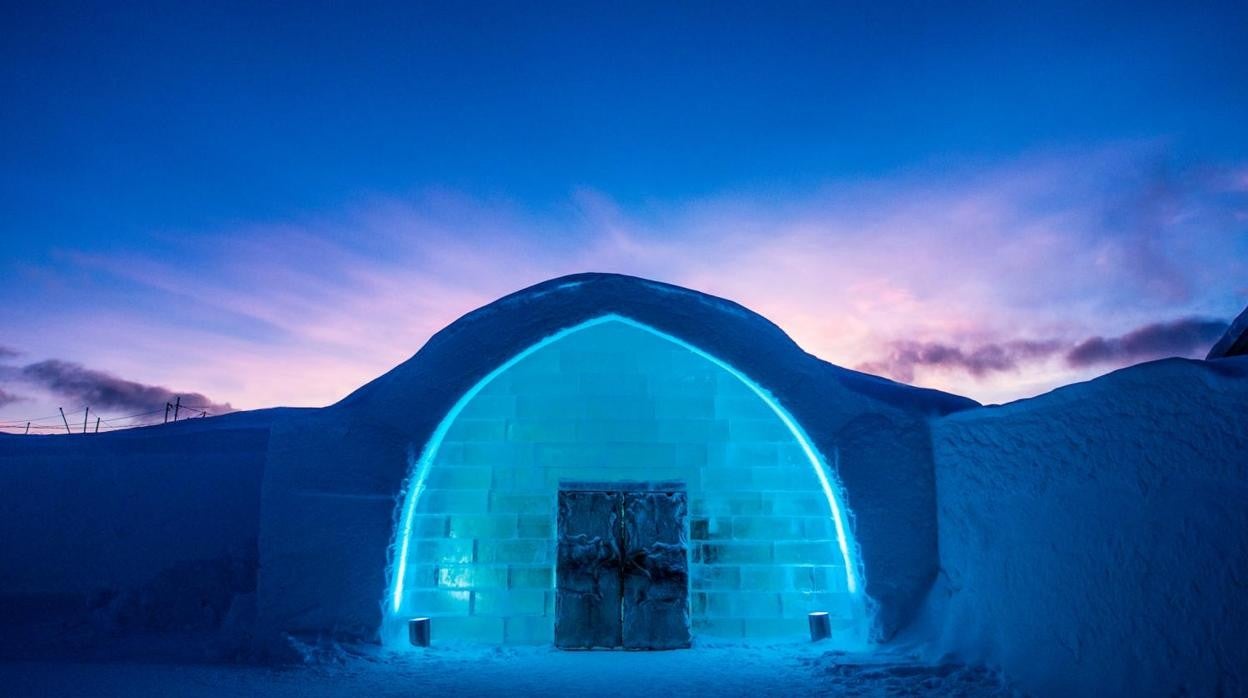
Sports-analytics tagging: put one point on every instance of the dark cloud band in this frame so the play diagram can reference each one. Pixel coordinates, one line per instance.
(994, 357)
(104, 391)
(7, 398)
(1184, 337)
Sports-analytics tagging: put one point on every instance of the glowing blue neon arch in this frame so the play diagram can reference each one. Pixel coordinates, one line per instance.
(424, 463)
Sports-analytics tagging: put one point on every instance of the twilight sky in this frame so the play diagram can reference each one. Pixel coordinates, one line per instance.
(255, 206)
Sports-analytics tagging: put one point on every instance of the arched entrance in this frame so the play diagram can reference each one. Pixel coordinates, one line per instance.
(612, 400)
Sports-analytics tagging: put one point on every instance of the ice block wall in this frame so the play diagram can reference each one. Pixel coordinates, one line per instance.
(614, 401)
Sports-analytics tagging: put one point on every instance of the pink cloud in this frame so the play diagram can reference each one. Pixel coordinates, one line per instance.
(1055, 247)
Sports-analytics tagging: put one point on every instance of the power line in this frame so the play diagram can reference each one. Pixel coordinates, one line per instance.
(43, 419)
(107, 424)
(35, 419)
(205, 410)
(56, 415)
(132, 416)
(60, 428)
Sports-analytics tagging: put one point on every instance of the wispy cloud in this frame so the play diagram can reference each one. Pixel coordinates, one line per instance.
(104, 391)
(973, 278)
(1186, 337)
(994, 357)
(7, 398)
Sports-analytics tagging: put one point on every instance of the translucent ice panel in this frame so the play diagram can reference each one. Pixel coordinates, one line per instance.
(615, 401)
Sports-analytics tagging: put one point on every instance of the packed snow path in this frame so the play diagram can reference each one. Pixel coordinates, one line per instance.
(705, 671)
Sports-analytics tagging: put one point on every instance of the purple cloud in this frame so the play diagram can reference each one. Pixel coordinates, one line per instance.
(993, 357)
(7, 353)
(7, 398)
(101, 390)
(1189, 336)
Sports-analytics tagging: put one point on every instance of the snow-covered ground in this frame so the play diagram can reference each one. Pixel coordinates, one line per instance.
(728, 670)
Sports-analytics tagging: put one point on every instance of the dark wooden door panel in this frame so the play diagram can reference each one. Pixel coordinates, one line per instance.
(656, 571)
(587, 597)
(622, 569)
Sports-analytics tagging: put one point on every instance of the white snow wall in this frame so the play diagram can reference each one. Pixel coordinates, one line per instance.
(1094, 540)
(91, 516)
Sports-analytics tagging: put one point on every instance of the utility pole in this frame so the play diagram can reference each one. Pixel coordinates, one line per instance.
(97, 425)
(167, 408)
(62, 409)
(177, 407)
(84, 419)
(28, 428)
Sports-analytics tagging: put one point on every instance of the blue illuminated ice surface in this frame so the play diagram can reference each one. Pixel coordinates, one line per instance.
(613, 399)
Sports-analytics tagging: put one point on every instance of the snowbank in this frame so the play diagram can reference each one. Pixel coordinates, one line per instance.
(1094, 540)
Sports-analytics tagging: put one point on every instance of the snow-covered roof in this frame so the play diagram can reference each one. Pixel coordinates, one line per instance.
(1235, 341)
(488, 336)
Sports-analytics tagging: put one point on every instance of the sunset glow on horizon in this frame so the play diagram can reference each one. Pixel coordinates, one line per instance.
(254, 255)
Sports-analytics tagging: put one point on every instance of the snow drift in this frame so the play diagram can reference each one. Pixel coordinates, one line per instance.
(1094, 540)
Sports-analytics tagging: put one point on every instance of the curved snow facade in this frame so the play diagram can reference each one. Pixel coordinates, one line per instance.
(1091, 541)
(338, 483)
(613, 400)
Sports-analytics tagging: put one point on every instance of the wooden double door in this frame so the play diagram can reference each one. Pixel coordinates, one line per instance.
(622, 575)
